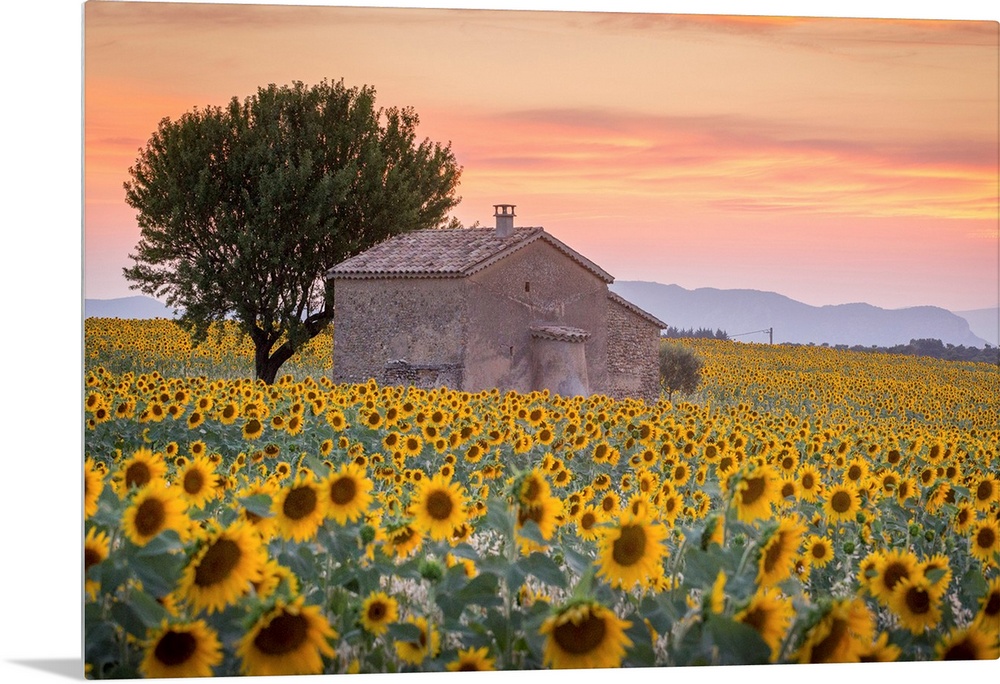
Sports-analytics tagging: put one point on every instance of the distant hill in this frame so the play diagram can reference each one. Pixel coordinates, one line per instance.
(985, 323)
(739, 311)
(126, 307)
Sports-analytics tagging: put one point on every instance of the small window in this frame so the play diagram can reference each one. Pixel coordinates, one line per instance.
(527, 286)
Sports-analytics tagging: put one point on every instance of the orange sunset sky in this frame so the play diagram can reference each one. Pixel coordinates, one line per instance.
(831, 160)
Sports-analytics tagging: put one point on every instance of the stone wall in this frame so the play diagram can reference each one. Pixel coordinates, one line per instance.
(536, 285)
(417, 321)
(633, 355)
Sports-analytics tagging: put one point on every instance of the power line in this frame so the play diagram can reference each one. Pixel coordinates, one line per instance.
(769, 331)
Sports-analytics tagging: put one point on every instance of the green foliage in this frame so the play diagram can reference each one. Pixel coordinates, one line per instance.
(243, 208)
(680, 369)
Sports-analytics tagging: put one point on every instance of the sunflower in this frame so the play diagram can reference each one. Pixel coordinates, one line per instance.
(770, 613)
(985, 541)
(472, 660)
(778, 552)
(754, 493)
(989, 607)
(253, 429)
(841, 635)
(584, 635)
(427, 644)
(986, 493)
(299, 509)
(969, 643)
(890, 568)
(93, 485)
(842, 502)
(379, 611)
(188, 649)
(223, 568)
(881, 651)
(140, 469)
(155, 508)
(272, 577)
(96, 547)
(264, 524)
(916, 602)
(349, 491)
(587, 520)
(288, 639)
(965, 517)
(198, 481)
(819, 550)
(937, 569)
(631, 552)
(438, 507)
(402, 540)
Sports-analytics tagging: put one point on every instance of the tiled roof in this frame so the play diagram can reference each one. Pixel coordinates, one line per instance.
(448, 253)
(562, 333)
(618, 299)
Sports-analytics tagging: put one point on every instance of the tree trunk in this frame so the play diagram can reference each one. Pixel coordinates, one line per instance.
(266, 365)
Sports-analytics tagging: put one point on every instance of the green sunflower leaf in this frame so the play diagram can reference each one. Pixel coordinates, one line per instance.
(544, 568)
(258, 504)
(404, 631)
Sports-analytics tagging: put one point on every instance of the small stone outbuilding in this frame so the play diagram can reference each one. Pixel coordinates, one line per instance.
(478, 308)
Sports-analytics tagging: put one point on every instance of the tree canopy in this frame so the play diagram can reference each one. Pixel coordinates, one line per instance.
(243, 208)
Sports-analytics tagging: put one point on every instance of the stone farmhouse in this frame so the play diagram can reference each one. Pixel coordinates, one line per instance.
(478, 308)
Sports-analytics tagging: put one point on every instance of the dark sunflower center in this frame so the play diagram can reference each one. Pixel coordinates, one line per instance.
(137, 474)
(175, 648)
(756, 618)
(963, 650)
(343, 490)
(893, 573)
(531, 490)
(918, 601)
(819, 551)
(841, 502)
(984, 492)
(787, 490)
(468, 666)
(376, 611)
(826, 647)
(150, 517)
(403, 536)
(787, 462)
(91, 557)
(284, 634)
(807, 481)
(217, 563)
(253, 426)
(630, 547)
(985, 538)
(854, 472)
(439, 505)
(992, 607)
(773, 553)
(585, 637)
(587, 520)
(299, 503)
(194, 481)
(753, 491)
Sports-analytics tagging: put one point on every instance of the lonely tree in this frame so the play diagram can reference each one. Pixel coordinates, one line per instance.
(243, 208)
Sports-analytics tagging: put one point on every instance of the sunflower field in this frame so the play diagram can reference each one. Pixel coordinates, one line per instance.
(805, 505)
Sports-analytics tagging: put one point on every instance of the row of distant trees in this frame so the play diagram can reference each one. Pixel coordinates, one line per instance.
(936, 349)
(677, 333)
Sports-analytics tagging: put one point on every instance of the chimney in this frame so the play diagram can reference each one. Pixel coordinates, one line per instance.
(504, 214)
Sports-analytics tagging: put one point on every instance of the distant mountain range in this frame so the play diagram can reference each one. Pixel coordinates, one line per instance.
(735, 312)
(744, 311)
(126, 307)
